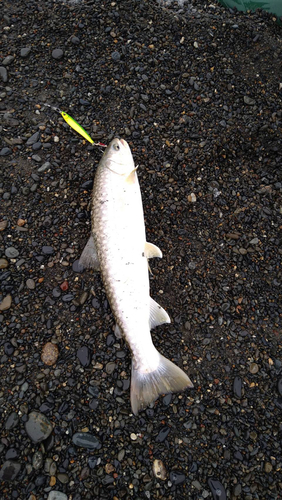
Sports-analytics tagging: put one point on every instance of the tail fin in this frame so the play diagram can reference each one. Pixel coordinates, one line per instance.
(146, 387)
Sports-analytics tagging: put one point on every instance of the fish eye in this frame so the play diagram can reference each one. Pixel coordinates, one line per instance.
(116, 147)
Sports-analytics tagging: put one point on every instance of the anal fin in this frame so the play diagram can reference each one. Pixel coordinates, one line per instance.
(89, 257)
(158, 316)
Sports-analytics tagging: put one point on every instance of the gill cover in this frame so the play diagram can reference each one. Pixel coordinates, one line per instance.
(118, 157)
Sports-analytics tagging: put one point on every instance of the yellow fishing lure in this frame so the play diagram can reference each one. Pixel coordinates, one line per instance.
(73, 124)
(78, 128)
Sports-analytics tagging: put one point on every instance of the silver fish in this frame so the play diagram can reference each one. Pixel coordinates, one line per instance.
(117, 247)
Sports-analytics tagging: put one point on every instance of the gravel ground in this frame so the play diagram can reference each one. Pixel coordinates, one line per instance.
(196, 91)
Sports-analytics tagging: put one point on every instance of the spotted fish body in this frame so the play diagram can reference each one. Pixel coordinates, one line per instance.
(118, 248)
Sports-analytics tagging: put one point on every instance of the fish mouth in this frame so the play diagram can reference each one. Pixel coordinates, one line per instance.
(124, 143)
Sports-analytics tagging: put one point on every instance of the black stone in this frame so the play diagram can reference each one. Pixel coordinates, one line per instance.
(84, 355)
(217, 489)
(164, 432)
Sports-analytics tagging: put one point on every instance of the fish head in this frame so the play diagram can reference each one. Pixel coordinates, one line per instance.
(118, 157)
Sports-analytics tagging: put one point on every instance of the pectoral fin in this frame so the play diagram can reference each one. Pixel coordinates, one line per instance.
(152, 251)
(158, 315)
(89, 257)
(131, 178)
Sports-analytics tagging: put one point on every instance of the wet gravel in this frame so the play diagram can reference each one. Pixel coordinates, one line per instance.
(196, 91)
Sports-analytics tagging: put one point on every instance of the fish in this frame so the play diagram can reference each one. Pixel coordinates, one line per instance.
(117, 247)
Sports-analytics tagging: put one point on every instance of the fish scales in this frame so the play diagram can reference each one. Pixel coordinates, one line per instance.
(119, 235)
(118, 248)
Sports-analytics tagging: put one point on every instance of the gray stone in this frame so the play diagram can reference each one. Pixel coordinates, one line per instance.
(44, 166)
(37, 460)
(32, 139)
(57, 495)
(25, 51)
(57, 54)
(12, 421)
(38, 427)
(5, 151)
(30, 284)
(8, 60)
(115, 56)
(9, 470)
(36, 158)
(11, 252)
(248, 100)
(86, 440)
(3, 74)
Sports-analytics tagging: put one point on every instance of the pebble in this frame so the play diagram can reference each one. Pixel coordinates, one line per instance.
(10, 470)
(49, 354)
(57, 495)
(197, 485)
(63, 478)
(77, 267)
(3, 74)
(25, 52)
(159, 470)
(3, 263)
(177, 477)
(167, 399)
(115, 56)
(84, 355)
(37, 460)
(8, 60)
(38, 427)
(47, 250)
(3, 225)
(33, 139)
(237, 490)
(12, 421)
(11, 454)
(86, 440)
(68, 297)
(36, 158)
(45, 166)
(217, 489)
(248, 100)
(5, 151)
(75, 40)
(56, 292)
(237, 387)
(88, 185)
(254, 368)
(21, 222)
(64, 286)
(267, 467)
(83, 298)
(9, 348)
(6, 303)
(30, 283)
(57, 54)
(110, 367)
(192, 198)
(164, 432)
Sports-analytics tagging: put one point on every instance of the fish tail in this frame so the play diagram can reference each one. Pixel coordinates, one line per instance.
(147, 386)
